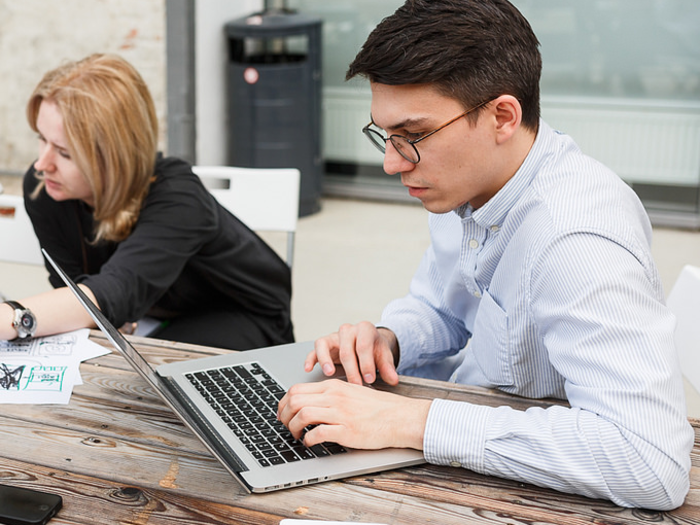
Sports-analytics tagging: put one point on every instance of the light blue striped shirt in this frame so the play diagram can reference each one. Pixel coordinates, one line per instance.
(553, 285)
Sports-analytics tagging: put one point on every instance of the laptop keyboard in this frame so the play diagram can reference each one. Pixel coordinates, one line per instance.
(246, 397)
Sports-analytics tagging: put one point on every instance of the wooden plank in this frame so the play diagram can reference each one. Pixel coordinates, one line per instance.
(118, 459)
(195, 480)
(114, 406)
(94, 501)
(430, 389)
(412, 495)
(149, 467)
(520, 502)
(117, 426)
(172, 349)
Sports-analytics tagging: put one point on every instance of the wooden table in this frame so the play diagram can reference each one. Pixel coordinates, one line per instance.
(117, 455)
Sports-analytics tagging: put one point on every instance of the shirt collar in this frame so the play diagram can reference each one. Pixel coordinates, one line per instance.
(494, 212)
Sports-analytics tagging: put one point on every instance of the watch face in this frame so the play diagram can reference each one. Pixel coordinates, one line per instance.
(25, 324)
(28, 323)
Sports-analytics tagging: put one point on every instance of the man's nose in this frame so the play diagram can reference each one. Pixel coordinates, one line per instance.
(394, 163)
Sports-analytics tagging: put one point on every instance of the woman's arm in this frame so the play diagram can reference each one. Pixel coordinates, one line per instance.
(55, 311)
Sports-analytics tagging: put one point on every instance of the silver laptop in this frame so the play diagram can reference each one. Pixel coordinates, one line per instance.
(230, 403)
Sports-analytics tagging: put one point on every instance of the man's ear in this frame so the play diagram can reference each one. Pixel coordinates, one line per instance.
(509, 115)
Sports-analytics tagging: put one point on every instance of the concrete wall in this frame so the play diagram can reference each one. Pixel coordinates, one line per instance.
(210, 60)
(38, 35)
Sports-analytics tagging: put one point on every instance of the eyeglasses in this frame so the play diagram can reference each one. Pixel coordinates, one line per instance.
(405, 146)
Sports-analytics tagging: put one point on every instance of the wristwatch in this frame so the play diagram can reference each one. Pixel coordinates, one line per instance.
(24, 321)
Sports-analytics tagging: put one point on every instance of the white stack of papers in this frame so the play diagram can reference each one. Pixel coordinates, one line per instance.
(43, 370)
(313, 522)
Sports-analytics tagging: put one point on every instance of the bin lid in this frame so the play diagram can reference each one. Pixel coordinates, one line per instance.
(271, 23)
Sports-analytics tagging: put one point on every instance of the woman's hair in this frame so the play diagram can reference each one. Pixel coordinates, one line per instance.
(111, 131)
(471, 50)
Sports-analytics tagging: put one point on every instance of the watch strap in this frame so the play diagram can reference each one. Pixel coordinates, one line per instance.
(15, 305)
(20, 313)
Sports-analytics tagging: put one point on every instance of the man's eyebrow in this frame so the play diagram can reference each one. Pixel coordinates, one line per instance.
(406, 123)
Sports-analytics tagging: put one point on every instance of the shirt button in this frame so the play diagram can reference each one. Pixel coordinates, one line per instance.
(494, 228)
(456, 464)
(477, 294)
(473, 244)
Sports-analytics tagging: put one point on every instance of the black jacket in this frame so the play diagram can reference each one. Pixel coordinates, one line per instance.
(185, 253)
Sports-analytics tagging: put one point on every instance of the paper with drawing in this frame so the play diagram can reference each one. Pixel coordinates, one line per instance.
(44, 369)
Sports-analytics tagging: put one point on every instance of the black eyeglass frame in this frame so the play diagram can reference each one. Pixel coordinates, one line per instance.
(373, 135)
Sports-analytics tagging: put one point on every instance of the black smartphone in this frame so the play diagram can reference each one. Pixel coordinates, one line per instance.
(20, 506)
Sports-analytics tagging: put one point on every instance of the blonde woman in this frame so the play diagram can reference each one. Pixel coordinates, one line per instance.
(137, 231)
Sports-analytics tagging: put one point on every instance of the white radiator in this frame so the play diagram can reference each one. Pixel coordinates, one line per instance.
(644, 142)
(650, 142)
(345, 113)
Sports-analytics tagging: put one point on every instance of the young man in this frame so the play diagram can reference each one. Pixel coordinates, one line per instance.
(539, 260)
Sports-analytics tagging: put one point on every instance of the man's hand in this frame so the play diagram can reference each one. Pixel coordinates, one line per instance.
(361, 349)
(353, 416)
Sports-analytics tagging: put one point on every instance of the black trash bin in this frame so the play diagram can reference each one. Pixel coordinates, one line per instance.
(274, 97)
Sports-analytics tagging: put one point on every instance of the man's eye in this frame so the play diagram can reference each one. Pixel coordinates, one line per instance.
(413, 136)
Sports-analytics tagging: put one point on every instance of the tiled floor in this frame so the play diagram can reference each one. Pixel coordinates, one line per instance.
(353, 257)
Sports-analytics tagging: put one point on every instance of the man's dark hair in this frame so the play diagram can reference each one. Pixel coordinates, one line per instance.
(471, 50)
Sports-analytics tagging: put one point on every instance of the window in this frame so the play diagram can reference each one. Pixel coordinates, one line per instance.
(622, 78)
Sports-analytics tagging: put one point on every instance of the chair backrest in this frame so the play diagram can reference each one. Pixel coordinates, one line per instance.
(264, 199)
(18, 242)
(684, 301)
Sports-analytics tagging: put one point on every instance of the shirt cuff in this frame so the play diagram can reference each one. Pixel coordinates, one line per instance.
(403, 339)
(455, 434)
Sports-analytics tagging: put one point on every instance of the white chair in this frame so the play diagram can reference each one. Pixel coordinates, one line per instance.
(264, 199)
(18, 243)
(684, 302)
